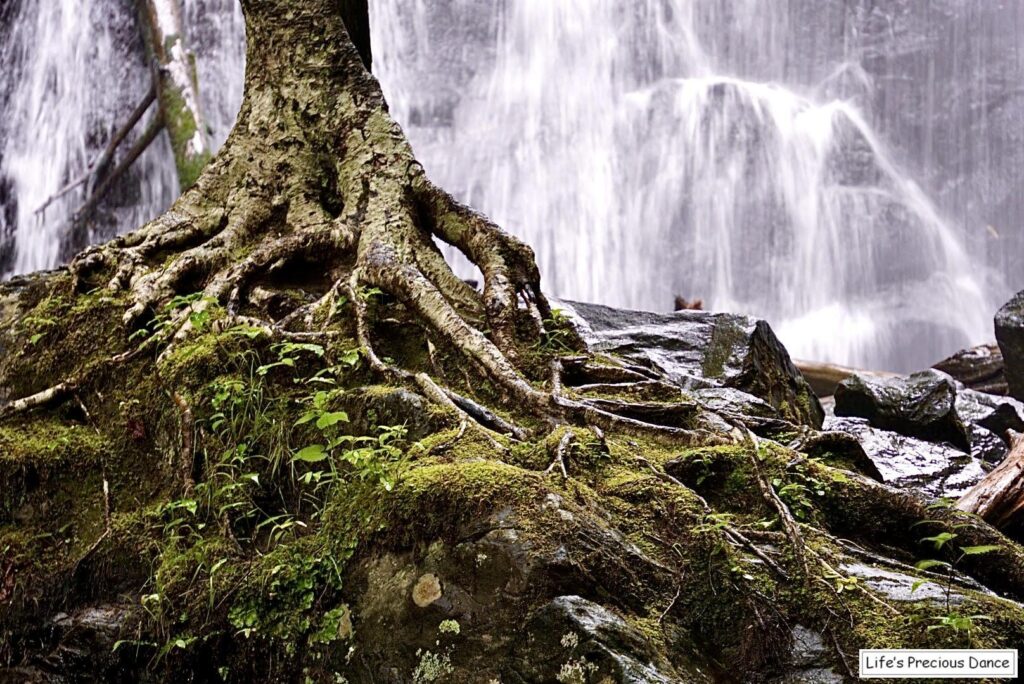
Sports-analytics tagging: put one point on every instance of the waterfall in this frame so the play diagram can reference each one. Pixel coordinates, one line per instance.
(653, 148)
(72, 70)
(845, 169)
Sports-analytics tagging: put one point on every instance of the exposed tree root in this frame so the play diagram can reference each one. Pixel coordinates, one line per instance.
(42, 398)
(187, 429)
(559, 460)
(789, 524)
(731, 533)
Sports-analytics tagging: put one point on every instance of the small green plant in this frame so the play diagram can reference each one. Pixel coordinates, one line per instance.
(287, 354)
(798, 493)
(946, 539)
(557, 333)
(197, 307)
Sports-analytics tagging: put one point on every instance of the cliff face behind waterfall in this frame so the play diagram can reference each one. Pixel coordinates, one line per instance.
(849, 170)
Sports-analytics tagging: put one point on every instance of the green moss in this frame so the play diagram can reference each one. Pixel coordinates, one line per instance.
(724, 337)
(182, 127)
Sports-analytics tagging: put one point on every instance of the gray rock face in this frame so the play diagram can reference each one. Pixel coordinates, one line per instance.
(697, 350)
(921, 405)
(928, 406)
(899, 586)
(1010, 335)
(574, 636)
(78, 647)
(811, 659)
(988, 417)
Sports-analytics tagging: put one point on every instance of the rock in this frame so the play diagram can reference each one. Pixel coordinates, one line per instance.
(899, 586)
(79, 647)
(1010, 336)
(839, 448)
(931, 406)
(573, 637)
(921, 405)
(978, 368)
(699, 350)
(988, 417)
(986, 445)
(810, 659)
(933, 469)
(991, 412)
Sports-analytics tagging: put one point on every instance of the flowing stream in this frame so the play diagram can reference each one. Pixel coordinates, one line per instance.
(849, 170)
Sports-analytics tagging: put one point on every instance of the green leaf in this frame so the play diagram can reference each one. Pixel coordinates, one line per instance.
(979, 550)
(311, 454)
(331, 418)
(929, 564)
(245, 331)
(941, 539)
(35, 338)
(305, 418)
(917, 585)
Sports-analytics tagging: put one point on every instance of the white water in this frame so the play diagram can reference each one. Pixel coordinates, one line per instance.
(640, 167)
(645, 149)
(74, 74)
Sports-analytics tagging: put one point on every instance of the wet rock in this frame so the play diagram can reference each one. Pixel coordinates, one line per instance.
(978, 368)
(899, 586)
(921, 405)
(991, 412)
(988, 418)
(699, 350)
(811, 659)
(1010, 336)
(933, 469)
(78, 647)
(572, 636)
(840, 449)
(987, 445)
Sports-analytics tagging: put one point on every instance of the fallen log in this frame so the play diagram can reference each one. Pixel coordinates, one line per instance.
(999, 497)
(979, 368)
(824, 377)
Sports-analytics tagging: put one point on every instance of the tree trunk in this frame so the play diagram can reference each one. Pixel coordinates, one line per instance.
(316, 169)
(177, 86)
(185, 449)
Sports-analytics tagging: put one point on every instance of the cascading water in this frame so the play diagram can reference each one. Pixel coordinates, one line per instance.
(727, 150)
(612, 138)
(73, 70)
(216, 34)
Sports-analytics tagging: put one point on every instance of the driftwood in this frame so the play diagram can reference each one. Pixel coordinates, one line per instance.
(999, 497)
(979, 368)
(825, 377)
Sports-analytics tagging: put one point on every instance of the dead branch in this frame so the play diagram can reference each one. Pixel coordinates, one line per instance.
(94, 171)
(42, 398)
(89, 206)
(559, 461)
